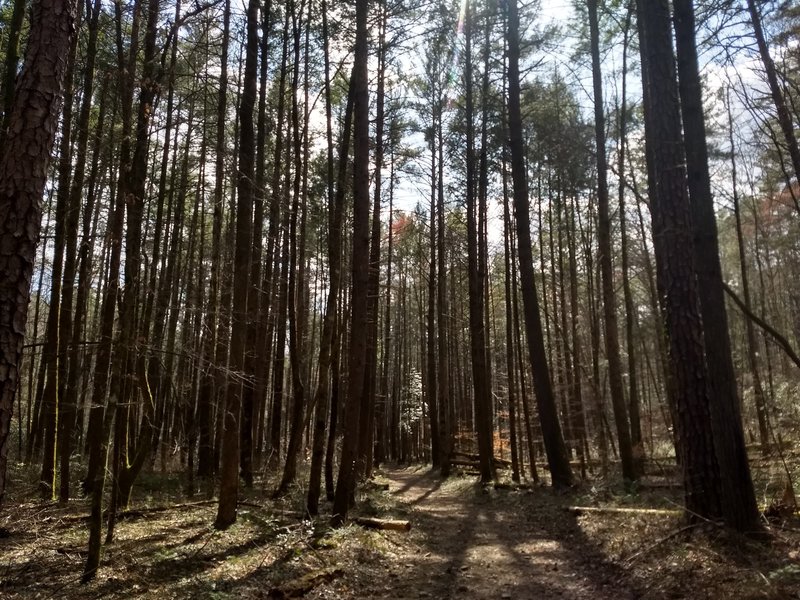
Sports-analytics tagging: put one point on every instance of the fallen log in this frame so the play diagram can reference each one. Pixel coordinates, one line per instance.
(500, 485)
(141, 512)
(474, 458)
(472, 473)
(620, 510)
(384, 524)
(660, 485)
(634, 557)
(464, 463)
(372, 485)
(299, 587)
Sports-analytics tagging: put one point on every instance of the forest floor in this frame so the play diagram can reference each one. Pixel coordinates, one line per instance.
(466, 541)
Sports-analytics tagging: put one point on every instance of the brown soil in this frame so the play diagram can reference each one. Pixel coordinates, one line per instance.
(473, 542)
(466, 542)
(469, 542)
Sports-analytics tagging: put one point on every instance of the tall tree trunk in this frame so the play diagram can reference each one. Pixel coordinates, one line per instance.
(274, 257)
(433, 378)
(104, 406)
(33, 120)
(71, 318)
(229, 473)
(447, 425)
(367, 433)
(252, 353)
(209, 392)
(673, 244)
(551, 428)
(102, 416)
(576, 352)
(630, 310)
(129, 379)
(511, 368)
(258, 334)
(330, 335)
(356, 403)
(384, 408)
(279, 359)
(739, 507)
(54, 335)
(296, 280)
(629, 472)
(752, 343)
(520, 362)
(477, 324)
(84, 271)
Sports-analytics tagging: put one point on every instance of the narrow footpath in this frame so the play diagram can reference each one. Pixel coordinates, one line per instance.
(471, 543)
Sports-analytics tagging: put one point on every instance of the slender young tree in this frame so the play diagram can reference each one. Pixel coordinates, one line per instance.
(775, 88)
(430, 318)
(630, 310)
(252, 354)
(330, 335)
(510, 352)
(54, 335)
(296, 276)
(629, 472)
(71, 325)
(229, 483)
(103, 409)
(274, 261)
(356, 402)
(209, 392)
(367, 434)
(477, 324)
(752, 343)
(447, 423)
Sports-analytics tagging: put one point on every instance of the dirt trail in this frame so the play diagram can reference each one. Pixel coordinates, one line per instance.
(472, 543)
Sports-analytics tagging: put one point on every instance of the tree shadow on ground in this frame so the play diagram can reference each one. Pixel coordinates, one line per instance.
(480, 543)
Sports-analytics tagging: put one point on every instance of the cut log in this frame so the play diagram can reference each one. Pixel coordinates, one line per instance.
(299, 587)
(385, 524)
(620, 510)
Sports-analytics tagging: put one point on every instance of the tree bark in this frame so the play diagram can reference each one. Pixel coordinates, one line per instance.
(32, 127)
(11, 65)
(673, 244)
(356, 403)
(739, 507)
(229, 473)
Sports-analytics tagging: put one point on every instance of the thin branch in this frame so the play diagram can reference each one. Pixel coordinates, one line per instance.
(779, 339)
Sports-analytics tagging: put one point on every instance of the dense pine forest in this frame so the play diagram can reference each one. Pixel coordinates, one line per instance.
(399, 298)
